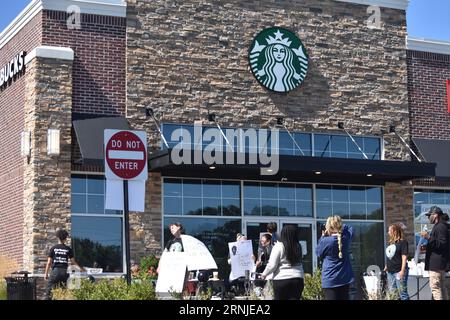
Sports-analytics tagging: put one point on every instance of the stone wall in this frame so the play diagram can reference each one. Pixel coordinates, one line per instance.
(399, 208)
(187, 57)
(46, 194)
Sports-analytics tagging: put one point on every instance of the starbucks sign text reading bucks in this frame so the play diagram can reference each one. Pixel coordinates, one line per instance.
(278, 59)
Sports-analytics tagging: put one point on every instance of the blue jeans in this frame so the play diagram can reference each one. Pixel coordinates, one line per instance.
(401, 286)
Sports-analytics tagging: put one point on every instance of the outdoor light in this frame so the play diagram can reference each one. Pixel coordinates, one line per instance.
(53, 142)
(212, 117)
(149, 112)
(340, 125)
(318, 172)
(369, 174)
(280, 121)
(25, 144)
(391, 129)
(212, 167)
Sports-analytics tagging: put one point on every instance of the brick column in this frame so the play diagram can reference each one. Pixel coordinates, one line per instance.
(399, 208)
(145, 227)
(48, 105)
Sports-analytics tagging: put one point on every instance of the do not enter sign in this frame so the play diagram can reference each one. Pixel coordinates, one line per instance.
(126, 155)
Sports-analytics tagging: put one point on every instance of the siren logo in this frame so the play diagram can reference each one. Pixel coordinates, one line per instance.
(278, 59)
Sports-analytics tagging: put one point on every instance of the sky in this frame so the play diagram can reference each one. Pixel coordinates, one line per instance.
(425, 18)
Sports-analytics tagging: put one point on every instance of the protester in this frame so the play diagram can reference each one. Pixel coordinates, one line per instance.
(334, 249)
(436, 255)
(285, 263)
(58, 260)
(396, 262)
(272, 229)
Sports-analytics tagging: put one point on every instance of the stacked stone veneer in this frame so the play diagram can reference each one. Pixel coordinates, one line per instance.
(46, 194)
(185, 58)
(399, 208)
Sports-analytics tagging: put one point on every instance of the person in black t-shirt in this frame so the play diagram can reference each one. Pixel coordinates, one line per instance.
(58, 260)
(175, 244)
(396, 262)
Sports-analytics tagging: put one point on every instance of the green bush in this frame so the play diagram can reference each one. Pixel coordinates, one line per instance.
(2, 290)
(313, 286)
(148, 266)
(106, 289)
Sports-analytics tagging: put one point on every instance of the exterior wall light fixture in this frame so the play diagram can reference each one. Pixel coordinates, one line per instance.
(53, 142)
(25, 144)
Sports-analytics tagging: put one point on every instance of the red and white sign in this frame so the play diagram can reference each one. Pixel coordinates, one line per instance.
(125, 155)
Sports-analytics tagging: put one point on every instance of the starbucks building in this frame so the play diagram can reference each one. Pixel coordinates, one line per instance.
(287, 112)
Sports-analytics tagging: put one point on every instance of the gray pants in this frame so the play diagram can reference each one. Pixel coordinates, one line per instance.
(58, 277)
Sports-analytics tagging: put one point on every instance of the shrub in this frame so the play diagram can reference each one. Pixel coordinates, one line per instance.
(2, 290)
(106, 289)
(148, 266)
(313, 286)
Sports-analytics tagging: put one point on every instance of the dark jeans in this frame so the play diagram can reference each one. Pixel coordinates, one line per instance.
(337, 293)
(58, 277)
(288, 289)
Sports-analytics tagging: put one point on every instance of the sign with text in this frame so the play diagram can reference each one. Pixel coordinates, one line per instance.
(125, 155)
(172, 272)
(198, 255)
(12, 69)
(241, 256)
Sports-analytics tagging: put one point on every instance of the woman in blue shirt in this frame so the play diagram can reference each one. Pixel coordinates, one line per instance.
(334, 249)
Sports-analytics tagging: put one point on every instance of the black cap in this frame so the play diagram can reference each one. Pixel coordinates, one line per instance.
(434, 209)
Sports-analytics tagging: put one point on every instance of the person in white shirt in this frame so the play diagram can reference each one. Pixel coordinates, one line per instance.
(285, 264)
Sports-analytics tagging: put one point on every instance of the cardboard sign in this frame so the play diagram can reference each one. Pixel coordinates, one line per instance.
(241, 256)
(172, 272)
(198, 255)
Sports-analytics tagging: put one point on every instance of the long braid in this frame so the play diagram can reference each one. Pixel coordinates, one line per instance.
(339, 238)
(334, 225)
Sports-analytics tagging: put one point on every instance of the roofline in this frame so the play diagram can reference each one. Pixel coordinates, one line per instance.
(428, 45)
(114, 8)
(393, 4)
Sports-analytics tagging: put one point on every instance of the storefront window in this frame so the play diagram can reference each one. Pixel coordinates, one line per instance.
(300, 143)
(277, 199)
(424, 199)
(196, 197)
(97, 234)
(357, 203)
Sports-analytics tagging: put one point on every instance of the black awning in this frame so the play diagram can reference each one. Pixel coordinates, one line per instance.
(437, 151)
(300, 169)
(90, 135)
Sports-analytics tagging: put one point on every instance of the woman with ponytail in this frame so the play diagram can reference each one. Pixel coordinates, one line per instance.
(334, 249)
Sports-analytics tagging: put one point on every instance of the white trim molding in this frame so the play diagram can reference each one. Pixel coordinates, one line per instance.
(50, 52)
(393, 4)
(427, 45)
(113, 8)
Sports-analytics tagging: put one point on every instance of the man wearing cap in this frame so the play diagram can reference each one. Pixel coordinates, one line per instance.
(436, 253)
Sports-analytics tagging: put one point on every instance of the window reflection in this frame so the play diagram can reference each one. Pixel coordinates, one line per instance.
(97, 242)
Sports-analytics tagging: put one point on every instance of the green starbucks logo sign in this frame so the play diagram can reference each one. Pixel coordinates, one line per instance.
(278, 59)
